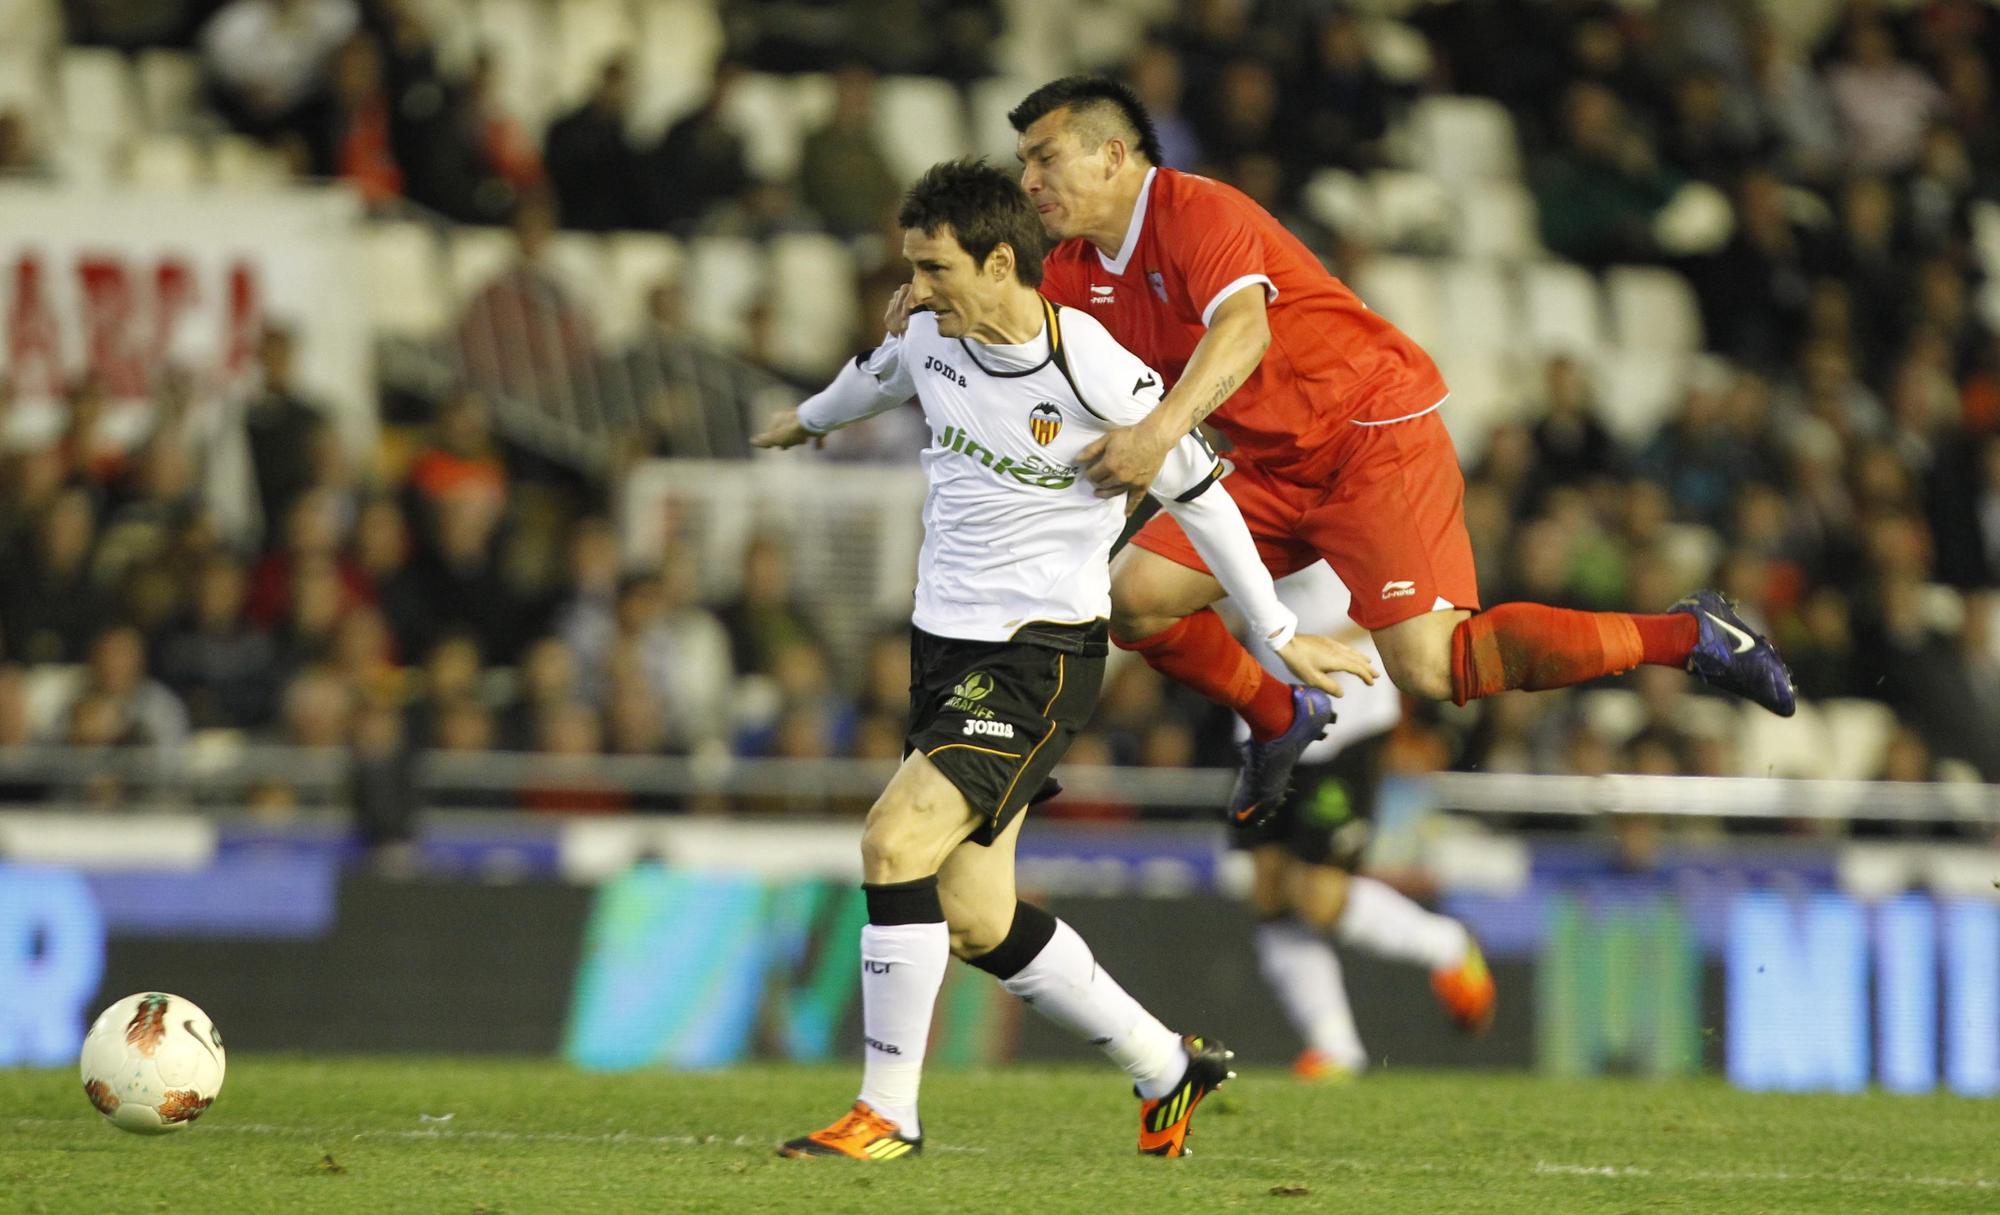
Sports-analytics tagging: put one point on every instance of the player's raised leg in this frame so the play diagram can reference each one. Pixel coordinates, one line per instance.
(916, 823)
(1042, 960)
(1160, 611)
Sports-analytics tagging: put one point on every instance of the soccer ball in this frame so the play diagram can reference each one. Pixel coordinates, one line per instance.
(152, 1063)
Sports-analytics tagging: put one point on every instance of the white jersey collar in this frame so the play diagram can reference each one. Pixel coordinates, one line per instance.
(1117, 265)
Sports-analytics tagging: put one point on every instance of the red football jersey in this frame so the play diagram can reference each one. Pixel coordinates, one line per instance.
(1194, 241)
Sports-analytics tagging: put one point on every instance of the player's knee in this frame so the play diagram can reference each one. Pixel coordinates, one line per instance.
(894, 849)
(976, 933)
(1421, 669)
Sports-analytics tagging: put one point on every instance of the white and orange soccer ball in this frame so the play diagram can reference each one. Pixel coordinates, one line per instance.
(152, 1063)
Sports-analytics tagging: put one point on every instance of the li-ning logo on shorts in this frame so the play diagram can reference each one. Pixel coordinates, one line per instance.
(1397, 590)
(1045, 422)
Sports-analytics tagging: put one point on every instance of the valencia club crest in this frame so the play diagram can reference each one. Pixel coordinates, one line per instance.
(1045, 423)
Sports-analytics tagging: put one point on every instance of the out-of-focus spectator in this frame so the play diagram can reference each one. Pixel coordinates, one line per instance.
(50, 607)
(524, 336)
(699, 164)
(765, 616)
(381, 555)
(266, 60)
(547, 678)
(357, 147)
(1884, 102)
(1242, 114)
(462, 457)
(591, 162)
(215, 661)
(698, 400)
(1155, 75)
(280, 422)
(1339, 97)
(844, 175)
(450, 676)
(463, 582)
(318, 710)
(1708, 139)
(1571, 444)
(19, 157)
(1756, 292)
(312, 535)
(148, 714)
(1598, 195)
(1793, 108)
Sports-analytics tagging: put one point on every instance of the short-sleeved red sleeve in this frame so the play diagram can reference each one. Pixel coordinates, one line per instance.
(1063, 282)
(1220, 251)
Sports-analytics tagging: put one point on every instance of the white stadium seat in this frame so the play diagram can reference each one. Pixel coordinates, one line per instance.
(240, 162)
(31, 25)
(517, 33)
(1858, 733)
(1342, 201)
(1562, 308)
(1412, 211)
(1463, 139)
(587, 33)
(24, 88)
(1653, 308)
(635, 263)
(1481, 310)
(97, 94)
(1769, 745)
(813, 300)
(679, 43)
(1638, 392)
(724, 281)
(165, 162)
(578, 261)
(919, 121)
(1496, 219)
(473, 257)
(405, 280)
(764, 110)
(1407, 291)
(1399, 52)
(85, 163)
(992, 134)
(169, 89)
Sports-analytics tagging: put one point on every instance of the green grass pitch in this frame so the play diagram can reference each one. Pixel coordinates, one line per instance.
(326, 1134)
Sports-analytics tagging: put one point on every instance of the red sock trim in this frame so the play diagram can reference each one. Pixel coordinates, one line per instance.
(1666, 641)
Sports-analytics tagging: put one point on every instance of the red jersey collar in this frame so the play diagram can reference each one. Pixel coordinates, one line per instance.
(1117, 265)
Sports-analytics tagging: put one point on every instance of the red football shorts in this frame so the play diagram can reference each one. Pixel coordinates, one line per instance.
(1389, 519)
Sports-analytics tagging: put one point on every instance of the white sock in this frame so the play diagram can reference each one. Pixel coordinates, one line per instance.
(1065, 984)
(1389, 925)
(1303, 970)
(902, 967)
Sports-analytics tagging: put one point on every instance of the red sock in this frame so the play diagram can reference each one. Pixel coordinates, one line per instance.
(1199, 652)
(1535, 647)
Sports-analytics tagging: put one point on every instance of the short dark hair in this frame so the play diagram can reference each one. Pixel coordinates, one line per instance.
(985, 207)
(1093, 97)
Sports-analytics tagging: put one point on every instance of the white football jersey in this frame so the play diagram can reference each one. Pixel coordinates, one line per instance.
(1013, 532)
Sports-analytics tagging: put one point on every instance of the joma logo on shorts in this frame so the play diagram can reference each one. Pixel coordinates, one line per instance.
(1397, 590)
(998, 729)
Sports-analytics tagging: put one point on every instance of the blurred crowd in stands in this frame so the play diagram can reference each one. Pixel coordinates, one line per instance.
(1835, 463)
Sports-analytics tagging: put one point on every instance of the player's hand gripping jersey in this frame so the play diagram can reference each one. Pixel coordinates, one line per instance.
(1194, 242)
(1012, 533)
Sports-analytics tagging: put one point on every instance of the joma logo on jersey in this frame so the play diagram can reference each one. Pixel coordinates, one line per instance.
(1033, 471)
(998, 729)
(933, 363)
(1045, 422)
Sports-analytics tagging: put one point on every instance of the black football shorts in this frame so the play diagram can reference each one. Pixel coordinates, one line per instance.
(996, 716)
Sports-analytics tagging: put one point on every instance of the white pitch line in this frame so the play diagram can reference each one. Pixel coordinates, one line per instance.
(349, 1133)
(1553, 1169)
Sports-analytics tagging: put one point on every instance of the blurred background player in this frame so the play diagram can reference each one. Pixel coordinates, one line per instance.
(1306, 886)
(1332, 417)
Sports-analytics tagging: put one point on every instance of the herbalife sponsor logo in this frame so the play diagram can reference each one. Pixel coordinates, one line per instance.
(1033, 471)
(970, 691)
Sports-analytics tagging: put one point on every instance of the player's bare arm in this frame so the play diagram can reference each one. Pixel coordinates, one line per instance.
(1238, 335)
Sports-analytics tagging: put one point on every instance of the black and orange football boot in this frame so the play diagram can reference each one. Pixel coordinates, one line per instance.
(861, 1134)
(1163, 1121)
